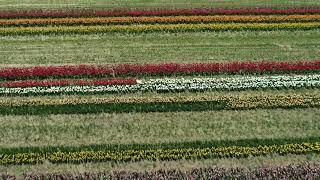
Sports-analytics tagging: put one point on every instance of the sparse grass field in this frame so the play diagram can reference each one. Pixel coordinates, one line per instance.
(160, 48)
(285, 128)
(73, 130)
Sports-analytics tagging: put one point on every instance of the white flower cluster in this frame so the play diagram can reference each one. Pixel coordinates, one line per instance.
(180, 84)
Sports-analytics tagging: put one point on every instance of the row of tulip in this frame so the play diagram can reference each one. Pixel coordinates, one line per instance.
(159, 154)
(68, 82)
(159, 69)
(304, 96)
(175, 85)
(148, 28)
(160, 12)
(291, 171)
(158, 19)
(159, 103)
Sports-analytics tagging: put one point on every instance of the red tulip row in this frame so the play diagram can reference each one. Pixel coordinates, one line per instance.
(158, 69)
(67, 82)
(159, 12)
(231, 67)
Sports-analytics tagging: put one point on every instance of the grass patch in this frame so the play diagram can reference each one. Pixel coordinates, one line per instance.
(160, 48)
(73, 130)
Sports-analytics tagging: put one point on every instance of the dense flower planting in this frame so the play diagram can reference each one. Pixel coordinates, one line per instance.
(159, 154)
(159, 69)
(157, 19)
(148, 28)
(127, 88)
(292, 171)
(160, 85)
(309, 97)
(66, 82)
(160, 12)
(173, 85)
(161, 103)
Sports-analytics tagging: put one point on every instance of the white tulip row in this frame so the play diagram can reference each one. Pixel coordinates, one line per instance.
(180, 84)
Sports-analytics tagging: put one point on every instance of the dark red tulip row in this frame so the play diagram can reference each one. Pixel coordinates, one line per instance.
(66, 82)
(158, 69)
(231, 67)
(159, 12)
(52, 71)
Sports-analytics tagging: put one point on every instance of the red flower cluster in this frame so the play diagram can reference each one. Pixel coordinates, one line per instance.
(232, 67)
(157, 69)
(66, 70)
(159, 12)
(66, 82)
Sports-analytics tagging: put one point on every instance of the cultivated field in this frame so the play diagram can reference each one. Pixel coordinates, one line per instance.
(187, 89)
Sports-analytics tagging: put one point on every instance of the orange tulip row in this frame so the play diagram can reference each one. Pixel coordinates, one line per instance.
(145, 28)
(158, 19)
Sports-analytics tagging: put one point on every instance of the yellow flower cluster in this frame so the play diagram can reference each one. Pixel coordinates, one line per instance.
(233, 101)
(159, 154)
(157, 27)
(158, 19)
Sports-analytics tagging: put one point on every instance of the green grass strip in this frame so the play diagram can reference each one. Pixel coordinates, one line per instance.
(113, 108)
(158, 28)
(254, 142)
(155, 48)
(190, 150)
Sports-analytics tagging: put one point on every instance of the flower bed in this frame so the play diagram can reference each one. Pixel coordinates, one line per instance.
(158, 20)
(160, 12)
(159, 69)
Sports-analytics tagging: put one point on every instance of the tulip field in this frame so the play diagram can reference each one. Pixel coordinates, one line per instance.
(185, 89)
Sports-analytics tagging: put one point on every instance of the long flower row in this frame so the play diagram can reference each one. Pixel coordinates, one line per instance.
(157, 19)
(292, 171)
(158, 69)
(159, 154)
(159, 103)
(304, 97)
(147, 28)
(177, 85)
(68, 82)
(159, 12)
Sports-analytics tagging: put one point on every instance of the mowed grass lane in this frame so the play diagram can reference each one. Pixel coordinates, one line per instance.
(160, 48)
(60, 4)
(150, 128)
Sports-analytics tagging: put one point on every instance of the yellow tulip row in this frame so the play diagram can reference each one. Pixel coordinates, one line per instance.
(159, 154)
(157, 28)
(235, 100)
(158, 19)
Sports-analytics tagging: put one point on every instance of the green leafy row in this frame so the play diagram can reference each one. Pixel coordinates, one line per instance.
(160, 154)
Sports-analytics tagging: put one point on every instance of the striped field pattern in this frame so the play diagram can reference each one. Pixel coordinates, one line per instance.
(131, 89)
